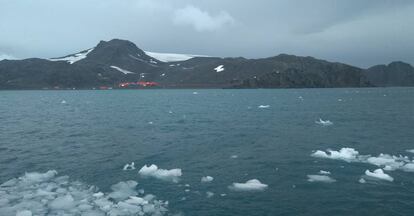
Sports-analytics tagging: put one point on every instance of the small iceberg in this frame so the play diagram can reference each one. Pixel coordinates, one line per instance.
(320, 178)
(172, 175)
(209, 194)
(234, 156)
(410, 151)
(324, 123)
(63, 102)
(263, 106)
(130, 166)
(323, 172)
(252, 185)
(379, 174)
(206, 179)
(195, 93)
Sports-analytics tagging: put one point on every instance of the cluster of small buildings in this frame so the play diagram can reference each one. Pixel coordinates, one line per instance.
(137, 84)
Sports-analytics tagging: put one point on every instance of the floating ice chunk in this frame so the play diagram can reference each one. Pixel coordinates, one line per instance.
(24, 213)
(410, 151)
(323, 172)
(234, 156)
(408, 167)
(209, 194)
(219, 68)
(47, 194)
(263, 106)
(345, 154)
(362, 181)
(195, 93)
(63, 102)
(187, 190)
(63, 203)
(379, 174)
(390, 162)
(251, 185)
(320, 178)
(172, 175)
(206, 179)
(129, 166)
(324, 122)
(123, 190)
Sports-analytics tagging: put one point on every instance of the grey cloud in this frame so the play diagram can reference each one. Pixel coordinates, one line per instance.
(358, 32)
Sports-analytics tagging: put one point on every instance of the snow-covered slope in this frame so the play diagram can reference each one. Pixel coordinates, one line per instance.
(73, 58)
(171, 57)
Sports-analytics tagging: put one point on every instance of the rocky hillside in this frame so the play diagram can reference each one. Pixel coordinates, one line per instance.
(117, 61)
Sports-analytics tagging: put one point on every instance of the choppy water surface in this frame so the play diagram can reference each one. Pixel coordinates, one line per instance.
(231, 135)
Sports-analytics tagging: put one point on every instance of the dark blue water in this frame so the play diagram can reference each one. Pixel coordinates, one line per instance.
(93, 134)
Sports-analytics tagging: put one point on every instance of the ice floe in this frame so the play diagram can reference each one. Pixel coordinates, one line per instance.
(385, 161)
(379, 174)
(324, 122)
(130, 166)
(49, 194)
(263, 106)
(63, 102)
(323, 172)
(219, 68)
(206, 179)
(345, 154)
(234, 156)
(172, 175)
(320, 178)
(250, 185)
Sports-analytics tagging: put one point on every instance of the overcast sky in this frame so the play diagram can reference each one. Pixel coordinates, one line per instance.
(357, 32)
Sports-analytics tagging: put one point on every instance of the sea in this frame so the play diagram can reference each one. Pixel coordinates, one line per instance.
(343, 151)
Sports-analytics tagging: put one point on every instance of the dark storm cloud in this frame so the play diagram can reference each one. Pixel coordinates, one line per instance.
(359, 32)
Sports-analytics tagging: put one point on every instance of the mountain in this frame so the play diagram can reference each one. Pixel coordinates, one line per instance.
(393, 74)
(117, 61)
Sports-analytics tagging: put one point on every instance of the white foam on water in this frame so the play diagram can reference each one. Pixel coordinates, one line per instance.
(48, 194)
(379, 174)
(263, 106)
(251, 185)
(206, 179)
(320, 178)
(130, 166)
(324, 122)
(172, 175)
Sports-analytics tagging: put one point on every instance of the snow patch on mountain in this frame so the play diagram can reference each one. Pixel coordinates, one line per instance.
(171, 57)
(219, 68)
(73, 58)
(122, 70)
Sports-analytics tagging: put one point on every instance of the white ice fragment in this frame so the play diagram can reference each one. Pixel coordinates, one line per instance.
(345, 154)
(206, 179)
(320, 178)
(324, 122)
(323, 172)
(250, 185)
(172, 175)
(263, 106)
(209, 194)
(379, 174)
(130, 166)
